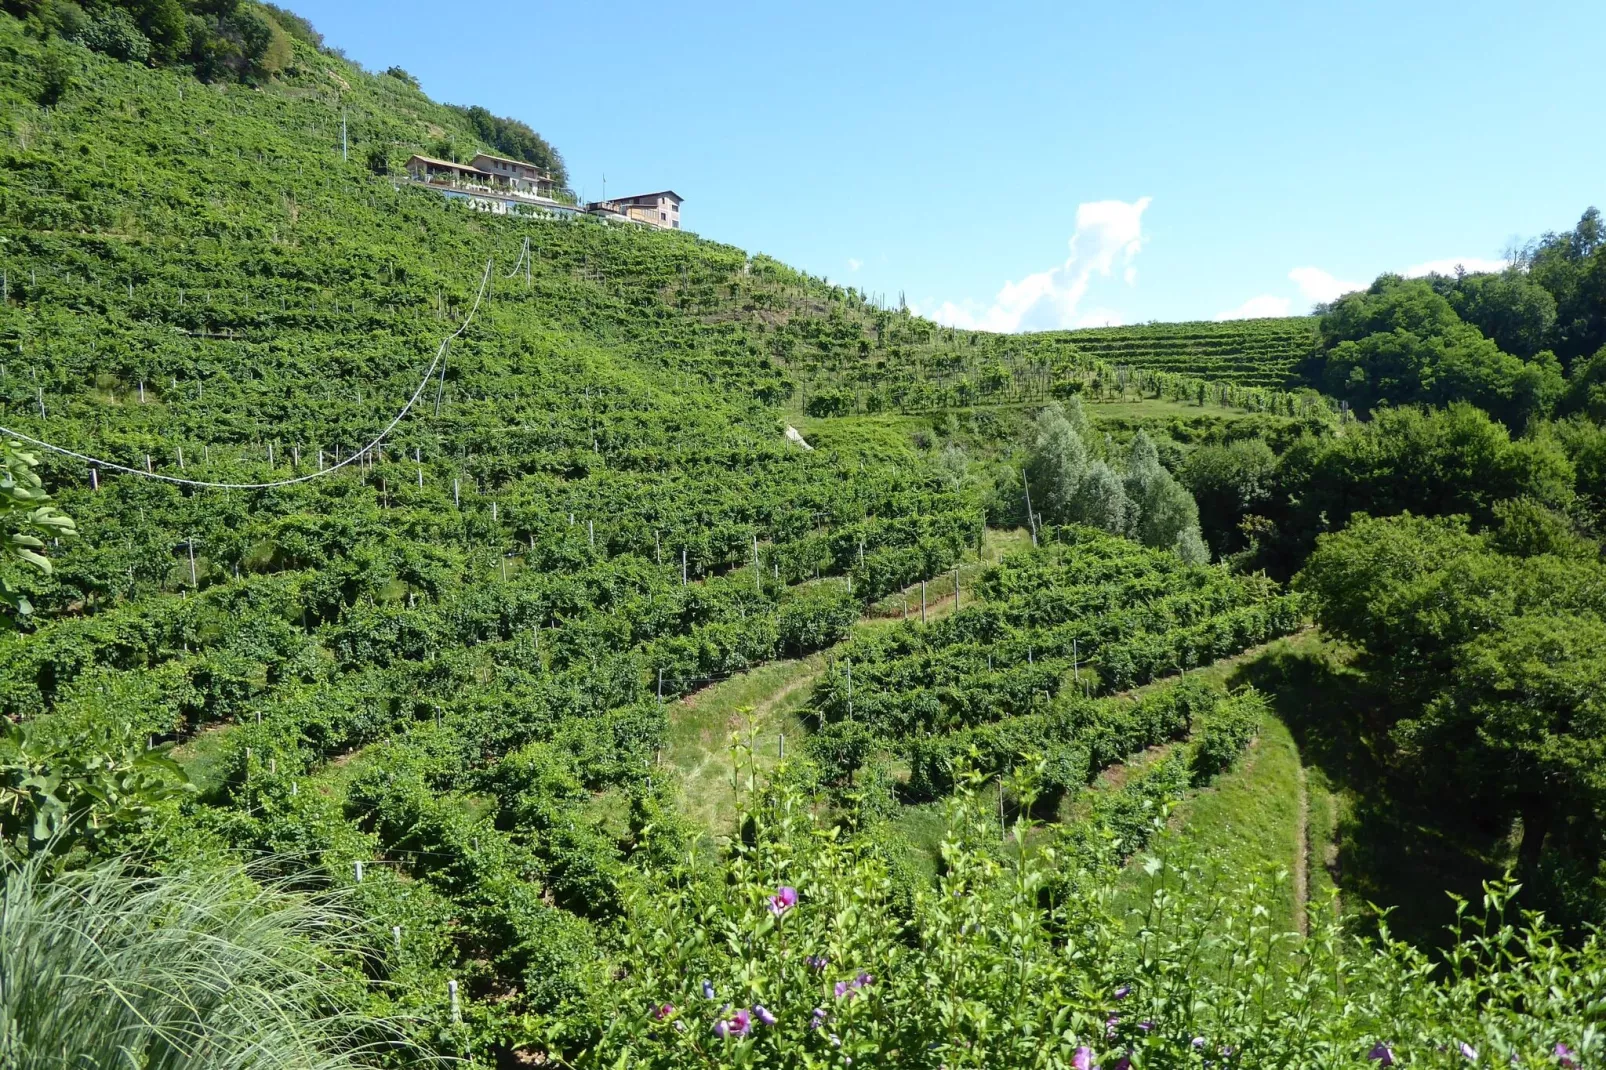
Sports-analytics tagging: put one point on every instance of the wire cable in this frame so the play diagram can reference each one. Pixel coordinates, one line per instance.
(440, 352)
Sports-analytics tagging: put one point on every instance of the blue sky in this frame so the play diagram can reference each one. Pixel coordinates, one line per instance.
(1023, 166)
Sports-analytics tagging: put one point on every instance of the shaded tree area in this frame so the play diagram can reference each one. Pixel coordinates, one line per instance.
(1071, 482)
(1502, 341)
(222, 40)
(516, 139)
(1491, 661)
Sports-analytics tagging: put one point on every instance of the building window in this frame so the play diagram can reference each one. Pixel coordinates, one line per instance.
(677, 224)
(663, 215)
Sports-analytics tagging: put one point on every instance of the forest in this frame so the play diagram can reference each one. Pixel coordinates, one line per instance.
(434, 636)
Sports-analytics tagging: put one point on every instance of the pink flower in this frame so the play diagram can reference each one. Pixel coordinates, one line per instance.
(784, 899)
(663, 1011)
(741, 1024)
(1083, 1059)
(1564, 1056)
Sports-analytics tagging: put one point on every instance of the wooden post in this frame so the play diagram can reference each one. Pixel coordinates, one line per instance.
(922, 601)
(192, 562)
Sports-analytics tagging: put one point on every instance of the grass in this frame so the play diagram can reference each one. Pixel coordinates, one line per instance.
(1373, 837)
(1243, 824)
(762, 704)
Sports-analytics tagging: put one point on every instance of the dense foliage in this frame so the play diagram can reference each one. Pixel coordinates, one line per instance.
(433, 679)
(1496, 641)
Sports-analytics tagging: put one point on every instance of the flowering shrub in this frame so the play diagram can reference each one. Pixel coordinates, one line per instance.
(785, 951)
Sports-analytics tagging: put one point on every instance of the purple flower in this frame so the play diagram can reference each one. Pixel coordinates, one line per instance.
(1110, 1024)
(1382, 1054)
(1199, 1043)
(662, 1011)
(1468, 1052)
(741, 1024)
(842, 989)
(1083, 1059)
(836, 1041)
(816, 962)
(763, 1015)
(1123, 992)
(722, 1028)
(862, 980)
(708, 990)
(784, 899)
(1564, 1055)
(1123, 1063)
(1147, 1027)
(817, 1019)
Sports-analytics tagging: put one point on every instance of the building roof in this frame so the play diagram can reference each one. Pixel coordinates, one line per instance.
(509, 159)
(650, 196)
(448, 164)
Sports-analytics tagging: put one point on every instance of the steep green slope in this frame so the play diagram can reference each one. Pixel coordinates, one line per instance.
(427, 661)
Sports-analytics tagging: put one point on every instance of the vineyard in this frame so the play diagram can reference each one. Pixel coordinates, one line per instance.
(1016, 673)
(447, 628)
(1256, 352)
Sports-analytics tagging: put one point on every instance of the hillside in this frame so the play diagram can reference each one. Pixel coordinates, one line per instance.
(454, 573)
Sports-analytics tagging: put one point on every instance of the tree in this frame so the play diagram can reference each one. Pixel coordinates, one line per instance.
(1510, 308)
(55, 76)
(1163, 513)
(1057, 465)
(1101, 500)
(1524, 718)
(1400, 342)
(1571, 266)
(1229, 482)
(1430, 462)
(1586, 390)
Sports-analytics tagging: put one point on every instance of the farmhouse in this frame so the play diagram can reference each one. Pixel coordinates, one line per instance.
(516, 174)
(661, 209)
(445, 172)
(501, 185)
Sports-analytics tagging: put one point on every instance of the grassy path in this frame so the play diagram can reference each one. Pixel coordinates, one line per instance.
(763, 704)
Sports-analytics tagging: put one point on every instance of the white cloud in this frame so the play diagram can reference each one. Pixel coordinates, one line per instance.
(1318, 285)
(1447, 266)
(1131, 276)
(1106, 232)
(1257, 307)
(854, 265)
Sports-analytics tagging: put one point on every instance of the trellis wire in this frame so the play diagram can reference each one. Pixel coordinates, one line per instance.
(440, 352)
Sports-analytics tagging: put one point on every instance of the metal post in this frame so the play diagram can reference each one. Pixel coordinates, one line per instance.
(683, 568)
(192, 562)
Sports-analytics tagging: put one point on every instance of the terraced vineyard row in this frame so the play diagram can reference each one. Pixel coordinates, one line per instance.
(1082, 615)
(1258, 352)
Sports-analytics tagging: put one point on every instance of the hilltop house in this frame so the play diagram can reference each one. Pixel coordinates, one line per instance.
(661, 209)
(516, 174)
(494, 184)
(445, 172)
(501, 185)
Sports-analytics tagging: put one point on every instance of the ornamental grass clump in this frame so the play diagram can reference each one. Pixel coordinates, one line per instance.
(204, 970)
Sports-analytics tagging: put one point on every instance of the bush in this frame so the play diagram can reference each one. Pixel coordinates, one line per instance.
(1225, 732)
